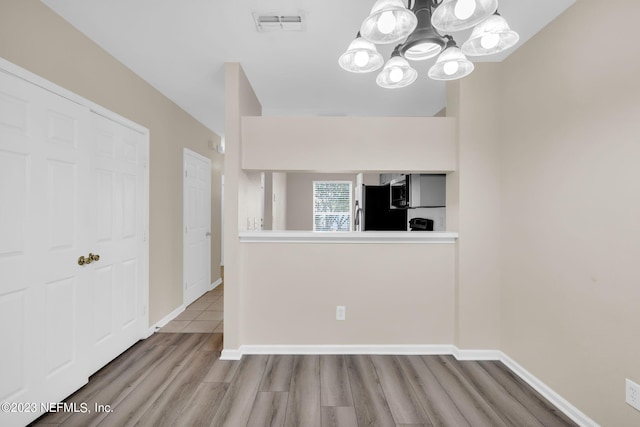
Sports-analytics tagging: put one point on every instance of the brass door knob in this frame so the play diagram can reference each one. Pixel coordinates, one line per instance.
(88, 259)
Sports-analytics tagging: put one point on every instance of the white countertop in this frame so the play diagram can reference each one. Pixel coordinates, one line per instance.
(292, 236)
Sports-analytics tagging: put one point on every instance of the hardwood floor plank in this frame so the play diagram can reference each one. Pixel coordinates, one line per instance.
(404, 405)
(202, 406)
(129, 410)
(338, 416)
(235, 407)
(213, 343)
(368, 398)
(222, 371)
(507, 407)
(438, 406)
(335, 389)
(269, 409)
(178, 379)
(472, 405)
(544, 411)
(303, 409)
(107, 382)
(166, 409)
(116, 382)
(277, 374)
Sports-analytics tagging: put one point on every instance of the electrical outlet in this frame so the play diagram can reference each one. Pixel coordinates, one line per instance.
(341, 312)
(632, 394)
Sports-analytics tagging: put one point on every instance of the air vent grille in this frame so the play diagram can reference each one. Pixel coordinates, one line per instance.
(268, 23)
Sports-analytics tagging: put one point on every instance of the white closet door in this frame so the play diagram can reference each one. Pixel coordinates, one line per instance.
(43, 292)
(71, 183)
(116, 235)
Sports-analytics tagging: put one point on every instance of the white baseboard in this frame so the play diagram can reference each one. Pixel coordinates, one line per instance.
(547, 392)
(477, 354)
(166, 319)
(460, 354)
(231, 355)
(339, 349)
(169, 317)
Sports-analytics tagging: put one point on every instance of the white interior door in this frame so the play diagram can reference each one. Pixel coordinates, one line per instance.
(43, 292)
(118, 165)
(197, 225)
(71, 183)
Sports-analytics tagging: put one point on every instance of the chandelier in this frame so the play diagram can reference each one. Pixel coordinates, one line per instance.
(422, 32)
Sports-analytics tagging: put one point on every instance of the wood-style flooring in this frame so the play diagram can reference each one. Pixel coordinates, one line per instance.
(178, 379)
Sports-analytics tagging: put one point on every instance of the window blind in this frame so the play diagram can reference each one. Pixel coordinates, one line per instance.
(331, 205)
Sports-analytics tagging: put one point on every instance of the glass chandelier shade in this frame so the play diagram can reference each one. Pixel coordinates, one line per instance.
(424, 42)
(451, 64)
(491, 36)
(361, 57)
(389, 22)
(456, 15)
(396, 73)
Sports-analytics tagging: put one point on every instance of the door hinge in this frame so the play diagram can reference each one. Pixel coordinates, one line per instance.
(144, 236)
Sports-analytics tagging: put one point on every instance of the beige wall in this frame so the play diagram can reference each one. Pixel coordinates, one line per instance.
(570, 153)
(240, 100)
(35, 38)
(474, 208)
(395, 294)
(348, 144)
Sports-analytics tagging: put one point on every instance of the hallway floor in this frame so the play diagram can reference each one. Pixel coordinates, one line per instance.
(204, 315)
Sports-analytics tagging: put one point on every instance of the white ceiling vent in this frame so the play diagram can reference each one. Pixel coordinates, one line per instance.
(272, 22)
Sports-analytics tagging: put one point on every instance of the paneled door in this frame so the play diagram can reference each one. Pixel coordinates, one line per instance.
(43, 293)
(66, 192)
(197, 225)
(118, 163)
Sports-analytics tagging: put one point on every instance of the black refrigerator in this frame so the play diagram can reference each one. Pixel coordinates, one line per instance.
(377, 212)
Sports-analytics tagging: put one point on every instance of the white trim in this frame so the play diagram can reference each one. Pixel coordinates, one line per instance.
(215, 284)
(404, 350)
(166, 319)
(421, 237)
(460, 354)
(548, 393)
(477, 354)
(175, 313)
(231, 355)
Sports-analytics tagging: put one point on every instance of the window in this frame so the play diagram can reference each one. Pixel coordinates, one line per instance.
(331, 205)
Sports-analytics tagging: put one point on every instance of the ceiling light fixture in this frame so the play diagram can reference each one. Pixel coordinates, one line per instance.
(491, 36)
(451, 64)
(424, 42)
(361, 56)
(397, 72)
(422, 25)
(389, 22)
(456, 15)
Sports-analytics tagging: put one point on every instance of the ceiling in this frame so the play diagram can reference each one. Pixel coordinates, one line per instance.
(180, 47)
